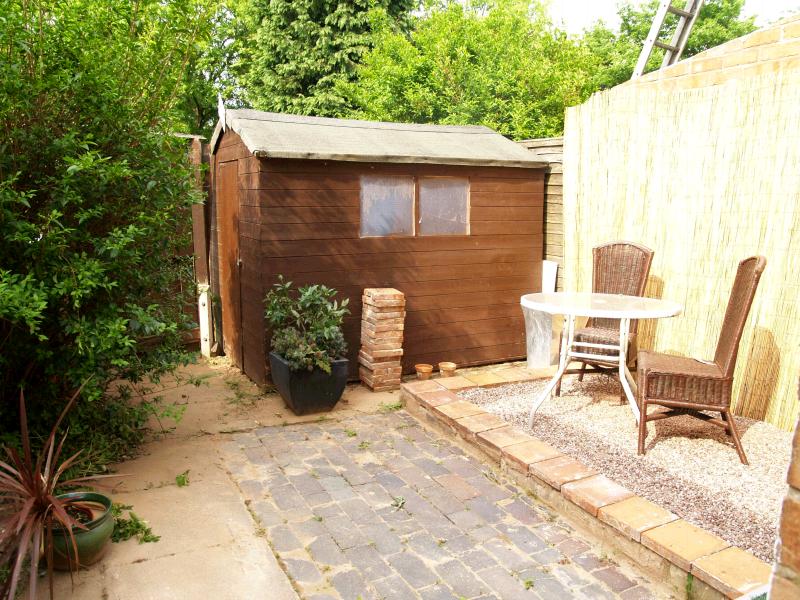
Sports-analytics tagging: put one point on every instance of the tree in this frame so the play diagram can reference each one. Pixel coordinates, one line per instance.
(719, 21)
(94, 206)
(300, 50)
(214, 67)
(502, 65)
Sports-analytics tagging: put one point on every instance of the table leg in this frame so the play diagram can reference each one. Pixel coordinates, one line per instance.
(566, 345)
(624, 373)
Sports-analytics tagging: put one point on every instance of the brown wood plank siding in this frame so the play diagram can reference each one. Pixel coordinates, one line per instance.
(462, 292)
(253, 322)
(552, 151)
(252, 314)
(301, 219)
(230, 282)
(251, 334)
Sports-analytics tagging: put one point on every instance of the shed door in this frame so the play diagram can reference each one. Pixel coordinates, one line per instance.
(230, 291)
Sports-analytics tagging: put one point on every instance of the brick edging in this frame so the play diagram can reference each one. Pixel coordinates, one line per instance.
(653, 537)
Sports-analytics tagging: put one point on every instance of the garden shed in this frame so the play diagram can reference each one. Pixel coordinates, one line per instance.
(449, 215)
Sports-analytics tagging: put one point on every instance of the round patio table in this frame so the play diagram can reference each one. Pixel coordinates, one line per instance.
(606, 306)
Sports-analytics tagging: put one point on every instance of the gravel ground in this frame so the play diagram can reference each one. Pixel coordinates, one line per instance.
(690, 467)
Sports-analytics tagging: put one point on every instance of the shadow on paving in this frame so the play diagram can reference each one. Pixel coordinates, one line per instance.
(376, 506)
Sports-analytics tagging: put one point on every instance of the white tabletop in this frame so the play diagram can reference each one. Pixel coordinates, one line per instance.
(608, 306)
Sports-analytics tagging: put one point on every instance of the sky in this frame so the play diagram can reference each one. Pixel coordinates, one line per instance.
(576, 15)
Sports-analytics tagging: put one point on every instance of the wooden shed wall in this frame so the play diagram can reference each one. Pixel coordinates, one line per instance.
(301, 219)
(552, 151)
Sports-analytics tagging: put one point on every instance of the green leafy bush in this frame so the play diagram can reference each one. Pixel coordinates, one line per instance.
(501, 64)
(307, 325)
(504, 64)
(298, 51)
(95, 196)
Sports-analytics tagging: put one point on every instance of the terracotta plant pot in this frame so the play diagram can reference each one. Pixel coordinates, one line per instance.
(423, 371)
(447, 369)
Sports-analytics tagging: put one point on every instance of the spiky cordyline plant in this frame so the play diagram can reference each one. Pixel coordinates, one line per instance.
(29, 508)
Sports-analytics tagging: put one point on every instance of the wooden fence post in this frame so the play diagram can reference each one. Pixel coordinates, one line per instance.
(200, 242)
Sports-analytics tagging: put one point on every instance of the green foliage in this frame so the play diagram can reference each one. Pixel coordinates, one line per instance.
(241, 397)
(719, 22)
(299, 51)
(182, 479)
(529, 584)
(215, 66)
(307, 325)
(386, 407)
(95, 198)
(502, 65)
(132, 526)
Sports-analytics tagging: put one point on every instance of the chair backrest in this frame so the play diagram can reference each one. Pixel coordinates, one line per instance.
(619, 268)
(744, 288)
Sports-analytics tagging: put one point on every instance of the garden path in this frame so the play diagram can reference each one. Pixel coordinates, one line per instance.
(376, 506)
(210, 546)
(363, 503)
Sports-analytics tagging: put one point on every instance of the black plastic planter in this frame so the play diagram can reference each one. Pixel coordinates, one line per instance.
(308, 391)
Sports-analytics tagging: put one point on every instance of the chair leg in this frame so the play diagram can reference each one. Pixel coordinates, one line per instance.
(583, 370)
(632, 363)
(734, 433)
(642, 425)
(558, 386)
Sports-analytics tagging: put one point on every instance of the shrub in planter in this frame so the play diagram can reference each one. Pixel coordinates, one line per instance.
(308, 347)
(73, 529)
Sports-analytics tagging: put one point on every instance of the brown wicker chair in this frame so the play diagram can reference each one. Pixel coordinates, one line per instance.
(617, 268)
(689, 386)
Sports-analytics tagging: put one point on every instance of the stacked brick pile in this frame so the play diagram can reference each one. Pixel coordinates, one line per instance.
(786, 576)
(382, 317)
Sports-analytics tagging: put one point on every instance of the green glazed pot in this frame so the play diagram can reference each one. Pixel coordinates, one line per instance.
(93, 541)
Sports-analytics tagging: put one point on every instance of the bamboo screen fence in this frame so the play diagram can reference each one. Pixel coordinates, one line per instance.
(705, 177)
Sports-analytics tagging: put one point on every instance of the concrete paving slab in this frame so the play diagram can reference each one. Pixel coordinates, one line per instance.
(220, 573)
(210, 546)
(196, 516)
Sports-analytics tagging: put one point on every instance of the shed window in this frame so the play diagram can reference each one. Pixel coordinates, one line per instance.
(387, 206)
(443, 206)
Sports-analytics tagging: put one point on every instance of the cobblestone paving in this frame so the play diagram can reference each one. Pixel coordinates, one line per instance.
(379, 507)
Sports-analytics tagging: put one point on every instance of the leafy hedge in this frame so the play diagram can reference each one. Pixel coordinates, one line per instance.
(95, 198)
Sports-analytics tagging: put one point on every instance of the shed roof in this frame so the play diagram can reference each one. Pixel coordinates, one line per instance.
(275, 135)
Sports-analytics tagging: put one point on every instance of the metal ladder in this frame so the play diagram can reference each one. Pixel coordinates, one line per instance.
(686, 18)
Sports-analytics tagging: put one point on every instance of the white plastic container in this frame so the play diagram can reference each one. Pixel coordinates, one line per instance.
(539, 325)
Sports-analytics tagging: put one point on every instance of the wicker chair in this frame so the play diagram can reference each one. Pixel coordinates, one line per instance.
(617, 268)
(689, 386)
